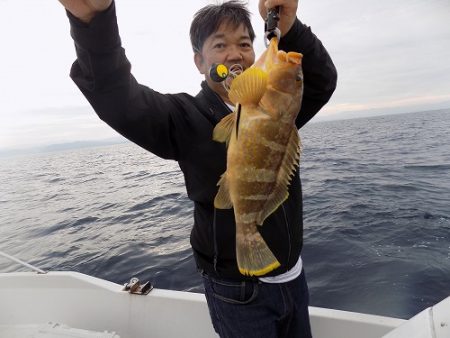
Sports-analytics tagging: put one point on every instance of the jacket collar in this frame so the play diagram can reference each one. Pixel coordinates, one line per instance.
(215, 105)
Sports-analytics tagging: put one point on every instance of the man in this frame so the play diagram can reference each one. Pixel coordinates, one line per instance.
(179, 127)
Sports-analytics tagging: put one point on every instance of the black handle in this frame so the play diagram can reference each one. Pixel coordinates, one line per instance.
(271, 24)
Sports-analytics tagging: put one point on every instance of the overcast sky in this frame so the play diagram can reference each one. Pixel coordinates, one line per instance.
(391, 55)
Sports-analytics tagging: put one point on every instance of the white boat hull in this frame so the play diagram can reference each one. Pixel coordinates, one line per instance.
(84, 302)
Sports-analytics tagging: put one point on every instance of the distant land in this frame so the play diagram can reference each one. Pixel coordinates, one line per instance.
(62, 147)
(377, 112)
(120, 140)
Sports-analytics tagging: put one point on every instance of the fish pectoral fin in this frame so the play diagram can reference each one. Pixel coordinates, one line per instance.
(254, 257)
(222, 199)
(285, 172)
(249, 87)
(294, 57)
(282, 56)
(222, 131)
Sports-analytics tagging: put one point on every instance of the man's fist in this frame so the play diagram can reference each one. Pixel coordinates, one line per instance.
(85, 10)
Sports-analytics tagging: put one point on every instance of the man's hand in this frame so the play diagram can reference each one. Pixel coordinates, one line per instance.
(85, 10)
(288, 12)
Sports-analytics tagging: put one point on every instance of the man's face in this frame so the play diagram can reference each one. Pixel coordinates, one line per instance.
(228, 46)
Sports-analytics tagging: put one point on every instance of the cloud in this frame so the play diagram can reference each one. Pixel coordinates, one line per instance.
(410, 104)
(388, 51)
(388, 54)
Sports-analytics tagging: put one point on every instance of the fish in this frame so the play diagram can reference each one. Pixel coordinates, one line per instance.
(263, 150)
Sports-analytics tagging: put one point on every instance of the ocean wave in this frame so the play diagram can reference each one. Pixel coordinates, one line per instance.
(376, 215)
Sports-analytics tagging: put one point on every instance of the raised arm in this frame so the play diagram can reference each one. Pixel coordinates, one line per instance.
(103, 74)
(319, 72)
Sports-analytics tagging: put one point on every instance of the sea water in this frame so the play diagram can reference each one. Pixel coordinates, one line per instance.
(376, 214)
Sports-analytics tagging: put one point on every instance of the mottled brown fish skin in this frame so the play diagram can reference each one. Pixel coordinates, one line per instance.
(253, 164)
(261, 157)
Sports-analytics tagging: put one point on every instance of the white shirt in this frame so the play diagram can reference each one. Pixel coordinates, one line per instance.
(287, 276)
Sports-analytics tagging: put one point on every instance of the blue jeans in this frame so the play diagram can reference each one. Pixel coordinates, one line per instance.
(257, 309)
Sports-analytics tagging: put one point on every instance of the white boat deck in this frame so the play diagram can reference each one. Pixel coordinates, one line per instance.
(70, 304)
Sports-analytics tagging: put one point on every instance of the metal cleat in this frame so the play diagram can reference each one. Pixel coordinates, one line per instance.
(134, 286)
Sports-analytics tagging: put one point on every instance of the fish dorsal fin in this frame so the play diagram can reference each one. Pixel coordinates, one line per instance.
(285, 172)
(222, 199)
(222, 131)
(249, 87)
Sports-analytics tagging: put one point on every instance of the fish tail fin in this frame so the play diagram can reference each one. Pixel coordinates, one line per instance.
(253, 255)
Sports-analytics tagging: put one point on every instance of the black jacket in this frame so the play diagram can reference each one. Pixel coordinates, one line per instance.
(179, 127)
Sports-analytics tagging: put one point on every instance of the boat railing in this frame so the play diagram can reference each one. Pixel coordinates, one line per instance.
(25, 264)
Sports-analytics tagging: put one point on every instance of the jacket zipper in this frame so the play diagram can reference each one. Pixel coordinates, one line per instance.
(216, 251)
(215, 241)
(289, 235)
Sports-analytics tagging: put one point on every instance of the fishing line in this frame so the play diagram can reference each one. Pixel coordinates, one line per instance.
(221, 73)
(233, 72)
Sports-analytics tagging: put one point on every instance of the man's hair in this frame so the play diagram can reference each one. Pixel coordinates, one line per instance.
(208, 20)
